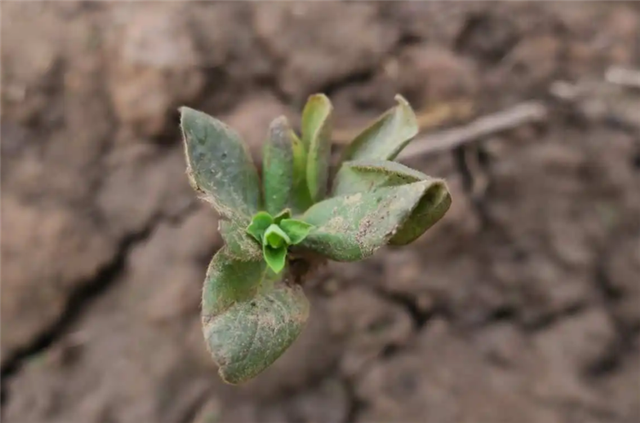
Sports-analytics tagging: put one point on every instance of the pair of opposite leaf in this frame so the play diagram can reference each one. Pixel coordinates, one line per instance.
(251, 309)
(276, 234)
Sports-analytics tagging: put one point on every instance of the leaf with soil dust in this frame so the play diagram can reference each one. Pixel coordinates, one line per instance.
(219, 165)
(248, 318)
(240, 244)
(365, 175)
(353, 227)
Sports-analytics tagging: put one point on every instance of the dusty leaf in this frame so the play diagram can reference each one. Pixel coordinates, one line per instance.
(353, 227)
(277, 169)
(229, 281)
(433, 205)
(316, 137)
(239, 243)
(387, 136)
(247, 323)
(219, 164)
(365, 175)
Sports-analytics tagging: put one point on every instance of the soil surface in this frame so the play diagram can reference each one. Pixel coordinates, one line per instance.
(522, 305)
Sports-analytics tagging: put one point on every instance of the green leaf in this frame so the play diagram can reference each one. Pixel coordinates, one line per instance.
(353, 227)
(219, 164)
(387, 136)
(297, 230)
(277, 169)
(316, 137)
(432, 207)
(238, 242)
(276, 258)
(275, 237)
(300, 198)
(251, 335)
(259, 224)
(284, 214)
(365, 175)
(230, 280)
(248, 320)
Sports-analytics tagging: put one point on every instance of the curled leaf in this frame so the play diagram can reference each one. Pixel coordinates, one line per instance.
(284, 214)
(316, 137)
(353, 227)
(219, 164)
(433, 205)
(365, 175)
(277, 169)
(387, 136)
(247, 322)
(275, 237)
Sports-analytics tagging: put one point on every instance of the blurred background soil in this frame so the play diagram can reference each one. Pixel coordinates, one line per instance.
(522, 305)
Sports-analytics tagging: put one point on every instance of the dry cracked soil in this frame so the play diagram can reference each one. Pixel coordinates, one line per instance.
(522, 305)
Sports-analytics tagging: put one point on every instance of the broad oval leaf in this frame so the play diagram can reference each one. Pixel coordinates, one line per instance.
(230, 280)
(353, 227)
(387, 136)
(250, 335)
(219, 164)
(365, 175)
(277, 169)
(316, 137)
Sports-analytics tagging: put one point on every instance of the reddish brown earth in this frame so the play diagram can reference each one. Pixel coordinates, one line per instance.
(522, 305)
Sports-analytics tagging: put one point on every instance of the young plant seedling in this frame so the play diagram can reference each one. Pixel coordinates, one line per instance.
(279, 228)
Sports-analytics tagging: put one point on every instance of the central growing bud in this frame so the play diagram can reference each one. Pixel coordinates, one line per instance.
(276, 234)
(275, 237)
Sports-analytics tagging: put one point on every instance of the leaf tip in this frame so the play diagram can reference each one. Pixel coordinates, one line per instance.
(186, 112)
(320, 98)
(399, 98)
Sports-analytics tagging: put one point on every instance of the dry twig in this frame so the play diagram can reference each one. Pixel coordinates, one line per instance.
(621, 76)
(518, 115)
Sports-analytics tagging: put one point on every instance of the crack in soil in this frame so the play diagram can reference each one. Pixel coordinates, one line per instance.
(418, 316)
(355, 404)
(546, 321)
(80, 300)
